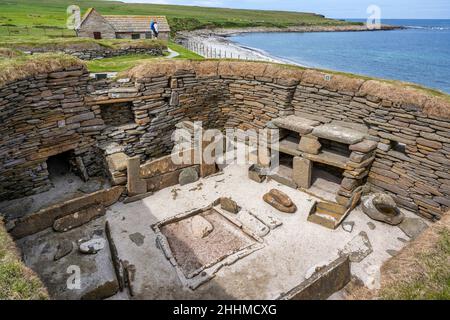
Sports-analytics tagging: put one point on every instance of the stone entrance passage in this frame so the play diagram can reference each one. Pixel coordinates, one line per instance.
(59, 166)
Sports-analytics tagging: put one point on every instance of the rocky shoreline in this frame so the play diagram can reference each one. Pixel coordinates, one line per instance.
(226, 32)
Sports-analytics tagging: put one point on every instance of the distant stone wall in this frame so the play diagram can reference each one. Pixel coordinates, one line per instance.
(91, 54)
(412, 128)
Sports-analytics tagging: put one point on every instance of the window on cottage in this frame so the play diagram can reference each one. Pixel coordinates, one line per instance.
(97, 35)
(135, 36)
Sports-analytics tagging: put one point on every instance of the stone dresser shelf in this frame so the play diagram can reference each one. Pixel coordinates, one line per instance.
(288, 145)
(340, 145)
(329, 158)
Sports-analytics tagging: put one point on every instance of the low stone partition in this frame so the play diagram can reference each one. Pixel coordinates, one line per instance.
(106, 53)
(89, 49)
(61, 110)
(54, 215)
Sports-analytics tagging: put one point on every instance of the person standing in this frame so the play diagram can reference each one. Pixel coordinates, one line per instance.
(154, 28)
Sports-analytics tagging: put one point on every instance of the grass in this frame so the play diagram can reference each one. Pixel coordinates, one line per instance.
(184, 53)
(420, 271)
(7, 53)
(25, 66)
(117, 64)
(81, 43)
(33, 20)
(17, 282)
(123, 63)
(430, 277)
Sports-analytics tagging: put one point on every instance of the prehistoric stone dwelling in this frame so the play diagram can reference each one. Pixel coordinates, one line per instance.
(337, 133)
(97, 26)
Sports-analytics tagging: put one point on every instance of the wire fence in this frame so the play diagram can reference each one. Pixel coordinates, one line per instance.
(48, 31)
(212, 52)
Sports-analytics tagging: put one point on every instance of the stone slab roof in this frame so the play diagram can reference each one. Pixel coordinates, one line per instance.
(137, 23)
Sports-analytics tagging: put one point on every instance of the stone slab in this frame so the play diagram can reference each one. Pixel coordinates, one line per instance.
(135, 184)
(330, 158)
(364, 146)
(413, 227)
(302, 172)
(323, 283)
(309, 144)
(78, 218)
(117, 161)
(338, 133)
(295, 123)
(45, 218)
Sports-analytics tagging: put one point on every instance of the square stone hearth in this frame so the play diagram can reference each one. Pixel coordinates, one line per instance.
(196, 259)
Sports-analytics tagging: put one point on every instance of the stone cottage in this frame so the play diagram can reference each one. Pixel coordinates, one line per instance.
(97, 26)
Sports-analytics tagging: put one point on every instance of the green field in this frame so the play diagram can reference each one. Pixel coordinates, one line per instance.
(33, 19)
(123, 63)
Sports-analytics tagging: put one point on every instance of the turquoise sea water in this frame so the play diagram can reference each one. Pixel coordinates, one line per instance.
(418, 54)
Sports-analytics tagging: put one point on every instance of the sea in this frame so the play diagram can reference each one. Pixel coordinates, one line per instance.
(420, 53)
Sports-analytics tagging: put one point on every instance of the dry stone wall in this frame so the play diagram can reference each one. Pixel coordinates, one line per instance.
(42, 116)
(91, 54)
(411, 128)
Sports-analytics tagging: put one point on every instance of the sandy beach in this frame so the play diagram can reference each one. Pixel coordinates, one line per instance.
(216, 46)
(214, 43)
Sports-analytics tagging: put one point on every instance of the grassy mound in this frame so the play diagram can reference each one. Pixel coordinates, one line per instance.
(7, 53)
(421, 271)
(17, 282)
(27, 66)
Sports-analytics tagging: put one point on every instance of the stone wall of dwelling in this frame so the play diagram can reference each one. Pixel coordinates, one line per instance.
(413, 156)
(158, 104)
(52, 113)
(101, 53)
(43, 116)
(256, 100)
(412, 161)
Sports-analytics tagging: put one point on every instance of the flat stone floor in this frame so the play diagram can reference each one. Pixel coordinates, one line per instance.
(65, 187)
(289, 253)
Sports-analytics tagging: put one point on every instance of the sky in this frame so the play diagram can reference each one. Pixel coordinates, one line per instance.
(390, 9)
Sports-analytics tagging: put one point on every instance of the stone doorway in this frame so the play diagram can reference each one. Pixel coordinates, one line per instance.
(60, 165)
